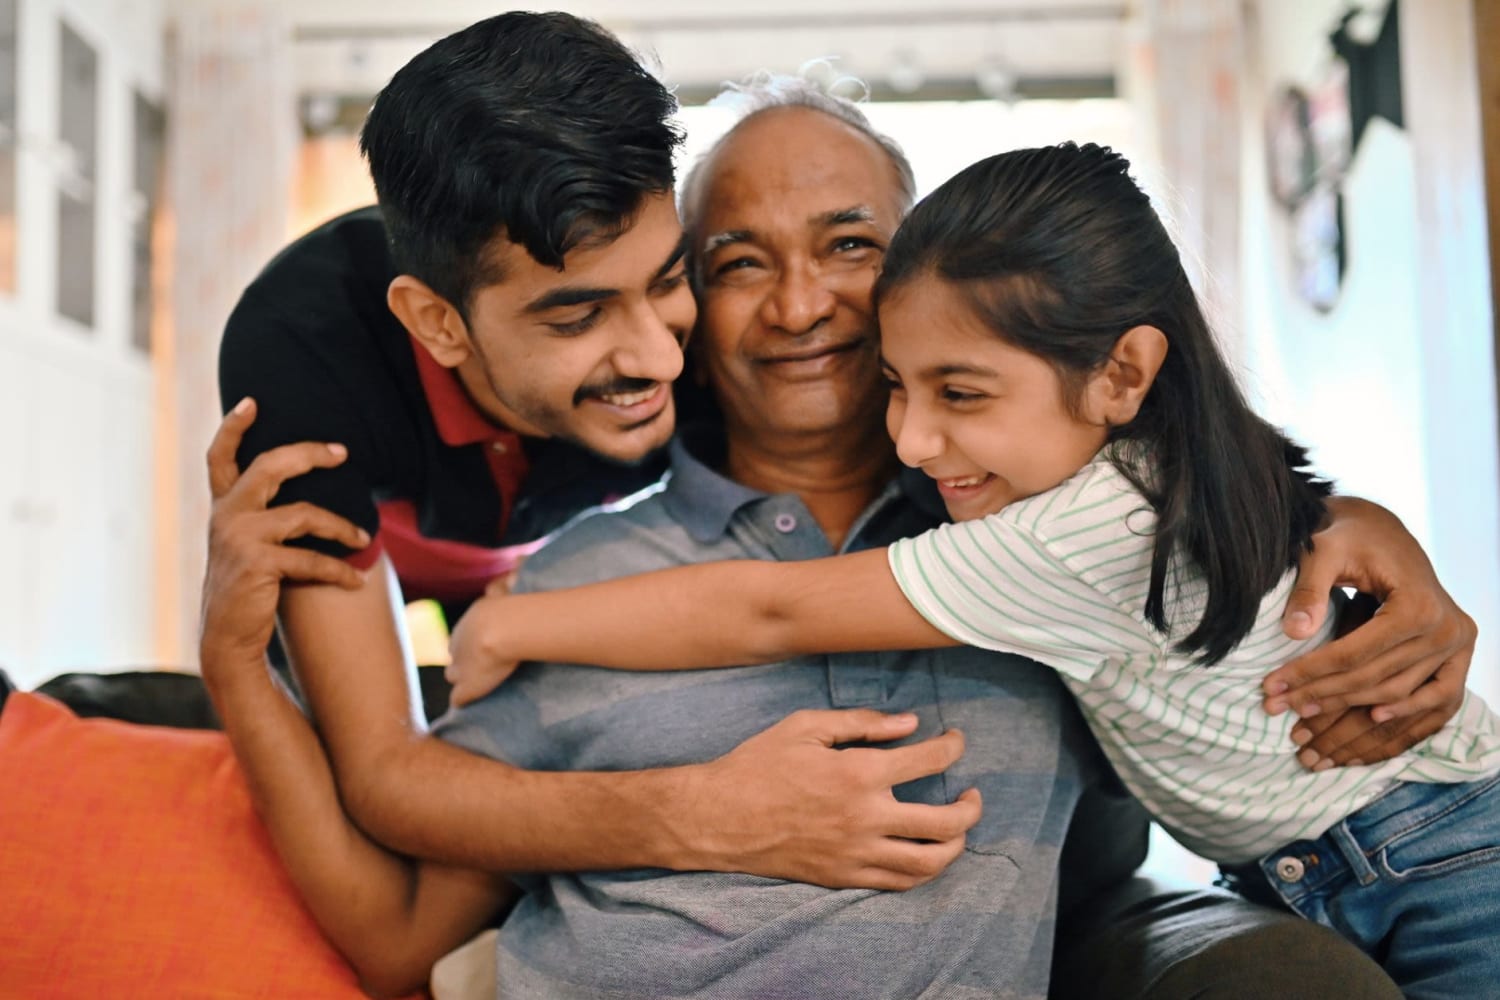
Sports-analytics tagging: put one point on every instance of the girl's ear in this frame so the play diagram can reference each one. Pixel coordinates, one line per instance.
(430, 319)
(1117, 389)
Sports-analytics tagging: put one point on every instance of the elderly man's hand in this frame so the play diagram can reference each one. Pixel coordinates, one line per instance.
(786, 803)
(1352, 737)
(1411, 659)
(247, 556)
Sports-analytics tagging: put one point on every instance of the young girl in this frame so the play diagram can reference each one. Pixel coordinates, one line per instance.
(1124, 517)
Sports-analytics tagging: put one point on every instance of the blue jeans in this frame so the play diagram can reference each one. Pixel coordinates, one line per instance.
(1413, 879)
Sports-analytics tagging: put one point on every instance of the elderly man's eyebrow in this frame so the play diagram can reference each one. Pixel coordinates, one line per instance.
(843, 216)
(724, 239)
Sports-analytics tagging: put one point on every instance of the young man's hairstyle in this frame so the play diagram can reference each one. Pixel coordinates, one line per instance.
(541, 128)
(1059, 253)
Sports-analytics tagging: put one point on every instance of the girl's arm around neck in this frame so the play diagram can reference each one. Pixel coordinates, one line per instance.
(720, 614)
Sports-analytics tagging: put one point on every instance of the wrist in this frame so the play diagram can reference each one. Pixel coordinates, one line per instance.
(487, 633)
(679, 820)
(224, 663)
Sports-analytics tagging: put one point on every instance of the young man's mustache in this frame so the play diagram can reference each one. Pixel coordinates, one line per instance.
(617, 387)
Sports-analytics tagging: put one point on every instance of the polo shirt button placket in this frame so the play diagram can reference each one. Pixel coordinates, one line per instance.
(785, 523)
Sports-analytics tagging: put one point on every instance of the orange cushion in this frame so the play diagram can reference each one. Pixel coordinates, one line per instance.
(132, 865)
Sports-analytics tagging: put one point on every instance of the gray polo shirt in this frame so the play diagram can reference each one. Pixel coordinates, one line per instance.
(982, 929)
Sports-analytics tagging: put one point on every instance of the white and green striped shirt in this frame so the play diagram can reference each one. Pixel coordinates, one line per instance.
(1062, 577)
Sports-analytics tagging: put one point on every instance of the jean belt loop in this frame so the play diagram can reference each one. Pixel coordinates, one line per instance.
(1360, 865)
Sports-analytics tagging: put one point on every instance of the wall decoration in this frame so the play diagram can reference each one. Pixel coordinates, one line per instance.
(1318, 246)
(1312, 134)
(1329, 124)
(1289, 147)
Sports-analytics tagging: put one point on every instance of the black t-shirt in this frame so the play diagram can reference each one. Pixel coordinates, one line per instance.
(314, 342)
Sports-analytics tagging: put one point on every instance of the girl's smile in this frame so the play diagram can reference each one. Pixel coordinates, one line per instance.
(988, 421)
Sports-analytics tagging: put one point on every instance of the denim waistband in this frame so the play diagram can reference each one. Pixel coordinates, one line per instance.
(1305, 866)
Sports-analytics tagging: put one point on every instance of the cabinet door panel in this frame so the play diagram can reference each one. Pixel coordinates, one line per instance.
(17, 506)
(94, 581)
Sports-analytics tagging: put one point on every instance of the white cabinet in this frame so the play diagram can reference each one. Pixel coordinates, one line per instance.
(77, 572)
(94, 583)
(17, 540)
(78, 585)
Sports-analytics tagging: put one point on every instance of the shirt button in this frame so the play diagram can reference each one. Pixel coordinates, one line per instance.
(786, 523)
(499, 446)
(1290, 869)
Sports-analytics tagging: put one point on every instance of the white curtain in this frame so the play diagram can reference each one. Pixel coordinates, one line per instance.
(1184, 72)
(231, 142)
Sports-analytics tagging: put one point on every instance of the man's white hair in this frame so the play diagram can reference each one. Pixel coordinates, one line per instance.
(767, 91)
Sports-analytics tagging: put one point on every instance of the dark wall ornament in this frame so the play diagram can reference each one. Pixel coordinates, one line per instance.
(1312, 134)
(1290, 165)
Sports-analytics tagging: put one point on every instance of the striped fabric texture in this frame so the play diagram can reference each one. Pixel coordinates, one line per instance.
(1062, 578)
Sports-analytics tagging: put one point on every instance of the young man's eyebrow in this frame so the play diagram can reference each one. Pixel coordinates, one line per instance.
(677, 254)
(562, 297)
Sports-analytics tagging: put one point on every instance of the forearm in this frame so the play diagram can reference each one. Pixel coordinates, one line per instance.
(434, 800)
(352, 887)
(385, 915)
(783, 804)
(690, 617)
(708, 615)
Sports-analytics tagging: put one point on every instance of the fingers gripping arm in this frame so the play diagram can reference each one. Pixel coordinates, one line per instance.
(1412, 656)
